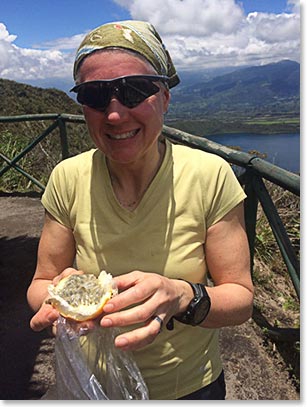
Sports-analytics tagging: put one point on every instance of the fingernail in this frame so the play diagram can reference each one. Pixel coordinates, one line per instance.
(121, 342)
(108, 308)
(106, 322)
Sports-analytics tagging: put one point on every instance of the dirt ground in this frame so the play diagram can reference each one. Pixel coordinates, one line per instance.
(255, 368)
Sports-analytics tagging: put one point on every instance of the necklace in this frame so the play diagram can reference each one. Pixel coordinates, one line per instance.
(132, 204)
(129, 205)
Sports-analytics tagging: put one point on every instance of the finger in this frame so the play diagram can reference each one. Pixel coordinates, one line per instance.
(137, 293)
(86, 327)
(133, 315)
(135, 277)
(140, 337)
(131, 296)
(44, 317)
(159, 320)
(127, 317)
(125, 281)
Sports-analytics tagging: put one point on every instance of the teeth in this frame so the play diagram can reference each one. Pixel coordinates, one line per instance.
(122, 136)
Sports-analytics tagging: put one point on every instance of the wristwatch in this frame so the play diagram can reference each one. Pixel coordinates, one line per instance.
(197, 309)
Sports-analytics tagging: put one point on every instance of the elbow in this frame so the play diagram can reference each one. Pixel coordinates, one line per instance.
(247, 310)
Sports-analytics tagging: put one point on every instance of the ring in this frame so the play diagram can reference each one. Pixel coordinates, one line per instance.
(157, 318)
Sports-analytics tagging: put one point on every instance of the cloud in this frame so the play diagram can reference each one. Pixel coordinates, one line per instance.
(188, 17)
(207, 33)
(294, 6)
(198, 34)
(65, 43)
(26, 63)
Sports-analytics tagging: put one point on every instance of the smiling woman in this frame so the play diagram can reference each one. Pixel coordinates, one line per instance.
(156, 216)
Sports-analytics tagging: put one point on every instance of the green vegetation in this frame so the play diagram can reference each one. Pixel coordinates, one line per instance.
(40, 161)
(266, 249)
(219, 125)
(18, 99)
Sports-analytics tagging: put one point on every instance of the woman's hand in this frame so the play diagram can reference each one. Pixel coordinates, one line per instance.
(150, 295)
(47, 316)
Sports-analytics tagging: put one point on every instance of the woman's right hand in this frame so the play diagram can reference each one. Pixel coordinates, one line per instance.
(47, 315)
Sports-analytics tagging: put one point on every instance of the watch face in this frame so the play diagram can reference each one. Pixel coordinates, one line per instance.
(198, 308)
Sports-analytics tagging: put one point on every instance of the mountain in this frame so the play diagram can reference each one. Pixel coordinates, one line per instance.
(18, 99)
(267, 89)
(21, 99)
(231, 95)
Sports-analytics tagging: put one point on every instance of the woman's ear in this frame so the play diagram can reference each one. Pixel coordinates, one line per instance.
(166, 100)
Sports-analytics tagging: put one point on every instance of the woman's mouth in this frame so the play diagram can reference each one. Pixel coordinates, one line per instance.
(123, 136)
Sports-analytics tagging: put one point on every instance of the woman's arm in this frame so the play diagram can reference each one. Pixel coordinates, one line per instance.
(228, 259)
(56, 252)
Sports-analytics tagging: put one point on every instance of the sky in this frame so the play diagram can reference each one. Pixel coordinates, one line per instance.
(38, 38)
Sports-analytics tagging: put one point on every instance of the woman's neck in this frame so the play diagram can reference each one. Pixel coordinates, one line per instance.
(130, 181)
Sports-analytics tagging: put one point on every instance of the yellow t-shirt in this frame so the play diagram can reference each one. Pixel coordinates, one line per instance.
(165, 234)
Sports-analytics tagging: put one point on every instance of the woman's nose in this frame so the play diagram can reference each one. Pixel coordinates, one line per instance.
(115, 110)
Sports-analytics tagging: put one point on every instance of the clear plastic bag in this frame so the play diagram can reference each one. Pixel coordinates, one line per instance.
(89, 367)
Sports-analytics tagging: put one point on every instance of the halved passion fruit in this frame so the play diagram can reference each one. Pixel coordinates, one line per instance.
(82, 296)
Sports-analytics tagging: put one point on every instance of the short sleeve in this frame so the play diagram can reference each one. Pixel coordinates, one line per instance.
(225, 192)
(56, 198)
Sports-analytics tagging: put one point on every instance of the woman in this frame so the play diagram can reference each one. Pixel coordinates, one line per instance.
(157, 216)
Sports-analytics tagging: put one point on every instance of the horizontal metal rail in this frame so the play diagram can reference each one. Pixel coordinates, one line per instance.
(277, 175)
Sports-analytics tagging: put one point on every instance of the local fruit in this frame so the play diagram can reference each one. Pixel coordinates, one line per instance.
(82, 296)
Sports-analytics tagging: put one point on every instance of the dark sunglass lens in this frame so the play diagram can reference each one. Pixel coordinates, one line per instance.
(130, 91)
(94, 95)
(134, 91)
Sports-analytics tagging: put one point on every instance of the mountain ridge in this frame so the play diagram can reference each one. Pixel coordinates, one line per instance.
(270, 88)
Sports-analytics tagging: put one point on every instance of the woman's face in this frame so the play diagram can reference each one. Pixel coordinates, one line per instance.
(125, 135)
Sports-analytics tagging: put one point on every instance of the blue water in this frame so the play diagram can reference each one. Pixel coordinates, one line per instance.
(282, 150)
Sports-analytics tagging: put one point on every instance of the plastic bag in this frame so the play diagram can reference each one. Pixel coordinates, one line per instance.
(89, 367)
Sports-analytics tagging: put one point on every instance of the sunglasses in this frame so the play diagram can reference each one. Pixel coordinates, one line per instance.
(129, 90)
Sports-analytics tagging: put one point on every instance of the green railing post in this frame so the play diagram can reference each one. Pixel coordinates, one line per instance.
(279, 232)
(250, 209)
(63, 137)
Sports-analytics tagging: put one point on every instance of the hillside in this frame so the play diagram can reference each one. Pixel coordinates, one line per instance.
(21, 99)
(269, 89)
(18, 99)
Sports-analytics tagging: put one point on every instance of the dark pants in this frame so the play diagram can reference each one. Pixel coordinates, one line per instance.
(214, 391)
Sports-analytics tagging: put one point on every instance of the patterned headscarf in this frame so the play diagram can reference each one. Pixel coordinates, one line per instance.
(138, 36)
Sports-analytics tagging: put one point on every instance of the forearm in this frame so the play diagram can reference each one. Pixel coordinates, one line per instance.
(231, 304)
(37, 293)
(56, 252)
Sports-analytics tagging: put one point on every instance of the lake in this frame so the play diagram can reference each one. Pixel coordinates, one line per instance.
(282, 150)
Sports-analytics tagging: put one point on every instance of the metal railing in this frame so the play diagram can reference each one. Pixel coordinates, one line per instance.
(255, 171)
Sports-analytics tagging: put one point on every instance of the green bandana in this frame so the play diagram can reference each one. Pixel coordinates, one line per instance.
(138, 36)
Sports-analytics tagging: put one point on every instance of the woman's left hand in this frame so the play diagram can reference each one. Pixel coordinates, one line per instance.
(152, 296)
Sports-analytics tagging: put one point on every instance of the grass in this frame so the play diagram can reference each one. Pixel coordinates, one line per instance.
(40, 161)
(266, 248)
(275, 296)
(271, 121)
